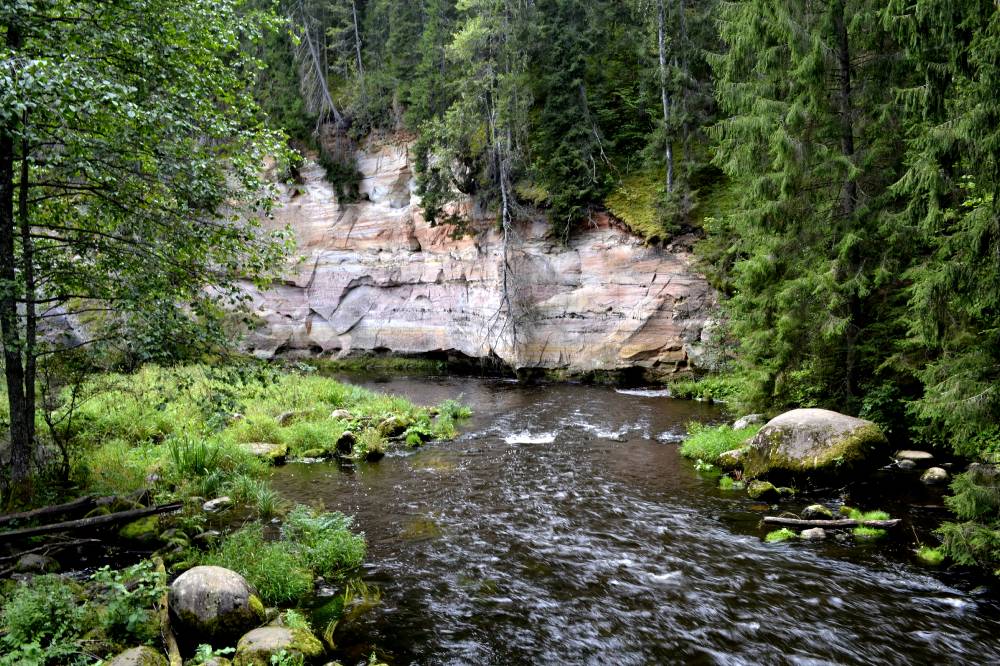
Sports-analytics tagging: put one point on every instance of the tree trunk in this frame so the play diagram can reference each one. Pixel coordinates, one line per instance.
(357, 41)
(665, 97)
(844, 102)
(20, 435)
(28, 267)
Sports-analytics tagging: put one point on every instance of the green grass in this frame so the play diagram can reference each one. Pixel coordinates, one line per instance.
(862, 532)
(707, 443)
(312, 544)
(727, 389)
(179, 425)
(728, 483)
(931, 556)
(777, 536)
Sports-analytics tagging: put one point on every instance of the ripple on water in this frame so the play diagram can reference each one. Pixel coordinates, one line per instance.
(594, 550)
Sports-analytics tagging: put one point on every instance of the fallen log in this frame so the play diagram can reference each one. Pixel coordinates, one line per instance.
(87, 523)
(837, 522)
(79, 505)
(169, 640)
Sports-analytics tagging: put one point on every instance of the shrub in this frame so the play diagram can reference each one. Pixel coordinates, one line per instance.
(129, 597)
(708, 443)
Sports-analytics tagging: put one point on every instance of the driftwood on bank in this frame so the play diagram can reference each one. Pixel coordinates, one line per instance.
(169, 640)
(837, 522)
(89, 523)
(80, 505)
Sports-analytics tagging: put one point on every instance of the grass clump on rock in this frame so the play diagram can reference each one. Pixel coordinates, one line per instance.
(708, 442)
(931, 556)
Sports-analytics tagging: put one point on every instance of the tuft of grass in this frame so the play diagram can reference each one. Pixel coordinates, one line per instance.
(272, 567)
(777, 536)
(325, 541)
(868, 532)
(708, 443)
(931, 556)
(726, 482)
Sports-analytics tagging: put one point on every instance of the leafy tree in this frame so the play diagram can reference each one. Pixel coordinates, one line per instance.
(130, 149)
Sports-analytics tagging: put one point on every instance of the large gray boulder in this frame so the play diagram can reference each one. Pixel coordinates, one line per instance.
(258, 646)
(214, 603)
(810, 441)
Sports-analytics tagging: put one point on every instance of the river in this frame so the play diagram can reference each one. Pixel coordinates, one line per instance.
(563, 526)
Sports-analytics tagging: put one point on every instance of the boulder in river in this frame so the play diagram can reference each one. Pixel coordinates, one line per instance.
(393, 426)
(346, 442)
(935, 476)
(139, 656)
(214, 603)
(809, 441)
(763, 490)
(814, 534)
(276, 454)
(258, 646)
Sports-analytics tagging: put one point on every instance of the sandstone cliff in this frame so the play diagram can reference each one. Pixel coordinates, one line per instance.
(376, 276)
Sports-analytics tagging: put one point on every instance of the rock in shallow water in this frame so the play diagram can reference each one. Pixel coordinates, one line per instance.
(815, 534)
(214, 603)
(935, 476)
(808, 441)
(918, 457)
(217, 505)
(763, 490)
(817, 512)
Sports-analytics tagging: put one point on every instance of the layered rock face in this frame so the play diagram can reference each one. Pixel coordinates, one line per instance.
(376, 276)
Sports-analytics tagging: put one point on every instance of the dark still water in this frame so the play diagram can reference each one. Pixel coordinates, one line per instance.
(564, 527)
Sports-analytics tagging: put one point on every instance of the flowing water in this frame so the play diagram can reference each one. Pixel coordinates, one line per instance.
(563, 526)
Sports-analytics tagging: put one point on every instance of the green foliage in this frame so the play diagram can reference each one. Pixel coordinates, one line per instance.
(724, 388)
(975, 541)
(931, 556)
(325, 540)
(636, 202)
(863, 532)
(708, 443)
(274, 568)
(47, 615)
(128, 598)
(204, 653)
(312, 544)
(777, 536)
(727, 483)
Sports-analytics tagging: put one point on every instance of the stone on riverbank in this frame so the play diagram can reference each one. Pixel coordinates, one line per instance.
(217, 505)
(276, 454)
(35, 563)
(732, 459)
(346, 442)
(808, 441)
(747, 421)
(814, 534)
(935, 476)
(257, 647)
(214, 603)
(139, 656)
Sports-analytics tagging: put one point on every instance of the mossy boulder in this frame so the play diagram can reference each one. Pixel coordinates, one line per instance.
(346, 442)
(817, 512)
(393, 426)
(139, 656)
(763, 490)
(275, 454)
(144, 530)
(732, 459)
(36, 564)
(806, 442)
(256, 647)
(214, 603)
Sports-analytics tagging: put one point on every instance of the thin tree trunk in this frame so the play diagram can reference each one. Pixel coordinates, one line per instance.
(357, 40)
(28, 266)
(20, 442)
(846, 107)
(665, 97)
